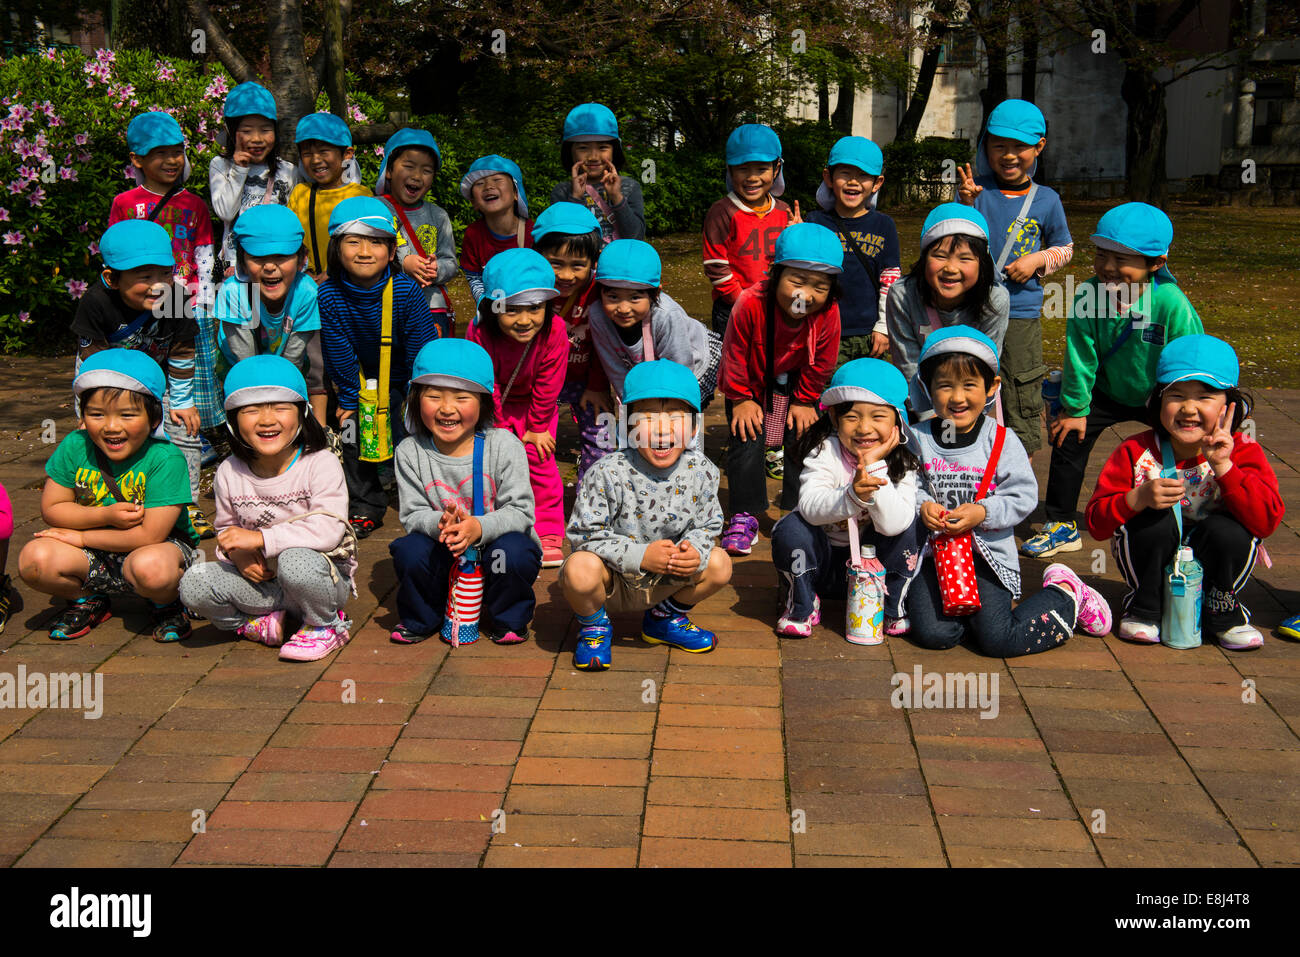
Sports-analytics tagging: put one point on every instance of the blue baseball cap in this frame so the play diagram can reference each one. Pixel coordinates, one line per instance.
(250, 99)
(518, 277)
(148, 131)
(629, 264)
(1199, 358)
(963, 339)
(365, 215)
(1135, 229)
(661, 379)
(858, 152)
(868, 380)
(808, 246)
(1017, 120)
(485, 166)
(118, 368)
(755, 143)
(953, 219)
(590, 123)
(261, 379)
(131, 243)
(566, 219)
(455, 364)
(406, 138)
(268, 229)
(325, 128)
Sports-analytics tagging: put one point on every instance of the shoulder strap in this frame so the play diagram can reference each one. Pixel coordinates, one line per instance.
(106, 470)
(1170, 470)
(478, 505)
(989, 469)
(605, 208)
(153, 213)
(385, 345)
(769, 373)
(1119, 344)
(841, 227)
(406, 225)
(505, 393)
(647, 341)
(311, 219)
(1014, 231)
(268, 196)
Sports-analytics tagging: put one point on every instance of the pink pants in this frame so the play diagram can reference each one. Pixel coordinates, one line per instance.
(6, 518)
(548, 490)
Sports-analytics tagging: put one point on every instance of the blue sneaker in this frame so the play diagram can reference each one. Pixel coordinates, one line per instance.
(1290, 628)
(594, 641)
(1055, 537)
(678, 632)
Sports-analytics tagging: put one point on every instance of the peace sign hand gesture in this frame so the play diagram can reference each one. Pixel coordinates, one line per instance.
(1218, 445)
(966, 189)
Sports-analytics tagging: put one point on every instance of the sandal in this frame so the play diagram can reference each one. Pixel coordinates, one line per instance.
(363, 526)
(80, 616)
(170, 623)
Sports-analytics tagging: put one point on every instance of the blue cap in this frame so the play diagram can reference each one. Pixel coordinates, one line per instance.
(261, 379)
(1135, 228)
(362, 214)
(250, 99)
(858, 152)
(131, 243)
(455, 364)
(567, 219)
(755, 143)
(118, 368)
(1199, 358)
(325, 128)
(268, 229)
(519, 277)
(148, 131)
(963, 339)
(808, 246)
(485, 166)
(629, 264)
(405, 139)
(1017, 120)
(587, 123)
(953, 219)
(661, 379)
(868, 380)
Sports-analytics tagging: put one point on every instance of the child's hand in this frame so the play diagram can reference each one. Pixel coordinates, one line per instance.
(1218, 445)
(747, 420)
(1064, 424)
(1024, 268)
(344, 414)
(613, 184)
(461, 534)
(795, 217)
(240, 156)
(881, 451)
(252, 565)
(879, 344)
(967, 190)
(964, 517)
(684, 560)
(544, 441)
(932, 515)
(188, 418)
(124, 514)
(658, 555)
(69, 536)
(864, 483)
(240, 539)
(801, 418)
(578, 181)
(597, 402)
(1157, 493)
(420, 268)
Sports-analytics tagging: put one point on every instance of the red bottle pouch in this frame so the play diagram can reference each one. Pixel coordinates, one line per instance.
(954, 555)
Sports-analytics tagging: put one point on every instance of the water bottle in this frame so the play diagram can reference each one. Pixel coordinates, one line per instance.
(1052, 392)
(866, 600)
(1180, 621)
(464, 601)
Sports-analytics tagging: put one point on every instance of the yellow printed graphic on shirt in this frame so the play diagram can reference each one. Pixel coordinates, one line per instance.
(1027, 240)
(89, 487)
(428, 236)
(869, 243)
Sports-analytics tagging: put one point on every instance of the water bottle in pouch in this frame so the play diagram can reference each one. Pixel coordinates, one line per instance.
(866, 597)
(1180, 621)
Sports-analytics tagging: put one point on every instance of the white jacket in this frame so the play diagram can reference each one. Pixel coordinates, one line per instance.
(826, 495)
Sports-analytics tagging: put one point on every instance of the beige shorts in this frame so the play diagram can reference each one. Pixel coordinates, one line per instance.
(624, 594)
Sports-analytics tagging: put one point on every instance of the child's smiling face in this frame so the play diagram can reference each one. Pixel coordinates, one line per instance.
(410, 175)
(364, 257)
(450, 415)
(1190, 411)
(952, 269)
(141, 287)
(324, 162)
(1123, 269)
(851, 187)
(493, 194)
(119, 426)
(522, 323)
(572, 270)
(866, 426)
(161, 167)
(802, 292)
(595, 156)
(660, 430)
(268, 428)
(273, 274)
(753, 181)
(959, 395)
(625, 307)
(1011, 160)
(255, 136)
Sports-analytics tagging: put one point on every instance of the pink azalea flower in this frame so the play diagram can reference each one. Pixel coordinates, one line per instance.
(81, 139)
(50, 53)
(83, 157)
(76, 288)
(4, 215)
(38, 196)
(67, 172)
(93, 248)
(24, 317)
(17, 186)
(83, 227)
(104, 56)
(165, 70)
(13, 238)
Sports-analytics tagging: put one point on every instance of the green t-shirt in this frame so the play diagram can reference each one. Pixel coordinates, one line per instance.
(156, 475)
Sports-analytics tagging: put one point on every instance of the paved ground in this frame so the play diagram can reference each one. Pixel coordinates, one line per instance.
(764, 752)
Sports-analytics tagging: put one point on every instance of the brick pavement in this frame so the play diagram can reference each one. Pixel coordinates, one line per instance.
(762, 753)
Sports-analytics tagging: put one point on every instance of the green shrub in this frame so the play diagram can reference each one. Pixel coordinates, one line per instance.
(915, 172)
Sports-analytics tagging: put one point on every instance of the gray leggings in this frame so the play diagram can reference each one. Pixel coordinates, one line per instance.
(303, 584)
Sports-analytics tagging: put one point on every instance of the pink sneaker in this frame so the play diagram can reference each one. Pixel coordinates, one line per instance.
(793, 628)
(267, 630)
(1094, 614)
(552, 554)
(313, 644)
(897, 627)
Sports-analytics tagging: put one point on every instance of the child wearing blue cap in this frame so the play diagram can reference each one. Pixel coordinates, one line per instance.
(269, 305)
(740, 229)
(327, 175)
(284, 545)
(847, 196)
(494, 186)
(950, 284)
(529, 348)
(1027, 229)
(778, 354)
(1109, 372)
(374, 321)
(250, 171)
(453, 450)
(592, 154)
(644, 522)
(855, 465)
(115, 503)
(965, 455)
(1194, 459)
(428, 251)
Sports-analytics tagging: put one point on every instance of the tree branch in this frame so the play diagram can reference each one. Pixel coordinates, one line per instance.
(221, 44)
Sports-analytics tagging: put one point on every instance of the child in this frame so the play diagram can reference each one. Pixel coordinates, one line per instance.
(567, 236)
(495, 187)
(740, 230)
(780, 348)
(328, 175)
(114, 501)
(644, 523)
(251, 171)
(373, 323)
(1221, 481)
(1109, 371)
(129, 308)
(592, 154)
(632, 314)
(856, 465)
(847, 196)
(959, 448)
(283, 545)
(951, 284)
(1027, 229)
(530, 354)
(428, 253)
(451, 444)
(269, 304)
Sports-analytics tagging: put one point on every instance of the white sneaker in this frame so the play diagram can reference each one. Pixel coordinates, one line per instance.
(1240, 638)
(1141, 632)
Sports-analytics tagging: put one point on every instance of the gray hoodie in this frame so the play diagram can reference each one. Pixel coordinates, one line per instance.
(676, 336)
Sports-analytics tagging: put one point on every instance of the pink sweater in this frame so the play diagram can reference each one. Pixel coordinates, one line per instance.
(314, 483)
(540, 380)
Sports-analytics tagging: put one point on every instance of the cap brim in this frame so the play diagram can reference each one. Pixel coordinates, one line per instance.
(1010, 133)
(450, 382)
(811, 266)
(615, 283)
(107, 379)
(1198, 377)
(261, 394)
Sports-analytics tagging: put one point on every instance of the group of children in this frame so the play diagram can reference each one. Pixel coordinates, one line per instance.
(331, 298)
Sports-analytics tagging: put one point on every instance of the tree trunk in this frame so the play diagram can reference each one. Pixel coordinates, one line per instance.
(842, 118)
(911, 121)
(336, 78)
(291, 82)
(992, 30)
(1029, 76)
(1146, 139)
(823, 99)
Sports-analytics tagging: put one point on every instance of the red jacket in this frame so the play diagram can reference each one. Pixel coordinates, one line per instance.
(1248, 490)
(739, 244)
(809, 351)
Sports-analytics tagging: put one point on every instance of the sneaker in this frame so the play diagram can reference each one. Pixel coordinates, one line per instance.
(897, 627)
(774, 462)
(406, 636)
(1093, 615)
(208, 453)
(678, 632)
(594, 642)
(363, 526)
(794, 628)
(509, 637)
(741, 533)
(170, 623)
(1240, 638)
(267, 630)
(80, 616)
(6, 600)
(552, 556)
(202, 527)
(1055, 537)
(1140, 632)
(1290, 628)
(314, 643)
